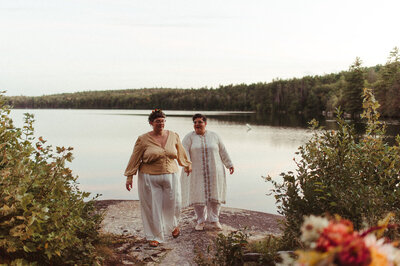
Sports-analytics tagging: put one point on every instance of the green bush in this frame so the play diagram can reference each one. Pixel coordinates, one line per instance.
(43, 216)
(236, 249)
(267, 248)
(227, 250)
(341, 172)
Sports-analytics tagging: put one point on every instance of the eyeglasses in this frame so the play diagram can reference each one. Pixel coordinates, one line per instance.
(198, 122)
(160, 121)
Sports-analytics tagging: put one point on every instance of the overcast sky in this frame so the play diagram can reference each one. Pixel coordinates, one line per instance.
(54, 46)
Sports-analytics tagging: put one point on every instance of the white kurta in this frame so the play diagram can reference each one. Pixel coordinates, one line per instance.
(207, 181)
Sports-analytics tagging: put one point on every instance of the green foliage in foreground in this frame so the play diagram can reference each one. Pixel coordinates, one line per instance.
(43, 216)
(267, 248)
(236, 249)
(342, 173)
(227, 250)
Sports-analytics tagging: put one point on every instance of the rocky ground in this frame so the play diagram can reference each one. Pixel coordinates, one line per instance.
(122, 220)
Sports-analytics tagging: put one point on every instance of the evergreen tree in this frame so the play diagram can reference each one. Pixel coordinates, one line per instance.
(388, 85)
(353, 89)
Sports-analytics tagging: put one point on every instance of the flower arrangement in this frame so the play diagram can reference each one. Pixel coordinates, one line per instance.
(335, 242)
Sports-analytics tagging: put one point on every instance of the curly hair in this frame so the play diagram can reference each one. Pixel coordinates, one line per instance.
(156, 113)
(203, 117)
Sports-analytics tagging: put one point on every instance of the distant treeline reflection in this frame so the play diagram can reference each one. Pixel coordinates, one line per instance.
(275, 120)
(301, 121)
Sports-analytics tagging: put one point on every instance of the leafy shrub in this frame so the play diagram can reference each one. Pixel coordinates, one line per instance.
(228, 250)
(267, 248)
(43, 216)
(340, 172)
(236, 249)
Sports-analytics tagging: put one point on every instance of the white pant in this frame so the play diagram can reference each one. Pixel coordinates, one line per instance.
(209, 212)
(160, 203)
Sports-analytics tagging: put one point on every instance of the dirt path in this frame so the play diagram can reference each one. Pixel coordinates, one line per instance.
(122, 218)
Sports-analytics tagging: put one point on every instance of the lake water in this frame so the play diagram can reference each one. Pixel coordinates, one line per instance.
(103, 141)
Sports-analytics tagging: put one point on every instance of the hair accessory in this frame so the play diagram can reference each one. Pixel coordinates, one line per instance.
(156, 111)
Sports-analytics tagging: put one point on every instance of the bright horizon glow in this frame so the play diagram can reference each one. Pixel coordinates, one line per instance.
(55, 46)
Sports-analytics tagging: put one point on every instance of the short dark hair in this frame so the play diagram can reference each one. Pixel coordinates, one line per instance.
(203, 117)
(156, 113)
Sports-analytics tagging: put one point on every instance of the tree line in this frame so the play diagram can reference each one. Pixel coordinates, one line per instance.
(310, 95)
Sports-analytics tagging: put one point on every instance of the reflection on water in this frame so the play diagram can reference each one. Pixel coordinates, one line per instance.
(392, 128)
(263, 119)
(273, 120)
(103, 141)
(299, 121)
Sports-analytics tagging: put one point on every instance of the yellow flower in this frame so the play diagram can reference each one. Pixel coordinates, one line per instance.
(312, 257)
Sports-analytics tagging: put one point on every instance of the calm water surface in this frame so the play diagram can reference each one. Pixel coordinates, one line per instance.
(103, 141)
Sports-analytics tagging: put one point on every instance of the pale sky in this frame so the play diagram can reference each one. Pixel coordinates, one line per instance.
(55, 46)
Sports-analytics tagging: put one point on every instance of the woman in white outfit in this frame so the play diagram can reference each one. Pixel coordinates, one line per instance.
(154, 157)
(205, 187)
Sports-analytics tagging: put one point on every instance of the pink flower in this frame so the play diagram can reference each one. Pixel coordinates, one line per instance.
(335, 234)
(354, 253)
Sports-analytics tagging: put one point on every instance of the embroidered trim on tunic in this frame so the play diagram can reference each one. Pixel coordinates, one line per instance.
(206, 171)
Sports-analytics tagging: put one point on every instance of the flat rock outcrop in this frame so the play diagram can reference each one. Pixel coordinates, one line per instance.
(122, 218)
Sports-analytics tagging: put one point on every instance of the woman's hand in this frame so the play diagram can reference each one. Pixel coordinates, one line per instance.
(187, 170)
(231, 170)
(129, 183)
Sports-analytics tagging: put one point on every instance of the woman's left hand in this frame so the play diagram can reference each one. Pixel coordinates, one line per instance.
(187, 170)
(231, 170)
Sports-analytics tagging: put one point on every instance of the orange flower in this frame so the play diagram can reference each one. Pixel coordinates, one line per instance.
(378, 258)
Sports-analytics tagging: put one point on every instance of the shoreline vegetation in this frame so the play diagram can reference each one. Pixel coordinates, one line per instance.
(309, 96)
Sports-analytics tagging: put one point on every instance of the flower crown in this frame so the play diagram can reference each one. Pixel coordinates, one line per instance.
(156, 111)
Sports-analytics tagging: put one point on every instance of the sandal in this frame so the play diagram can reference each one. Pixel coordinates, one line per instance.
(154, 243)
(176, 232)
